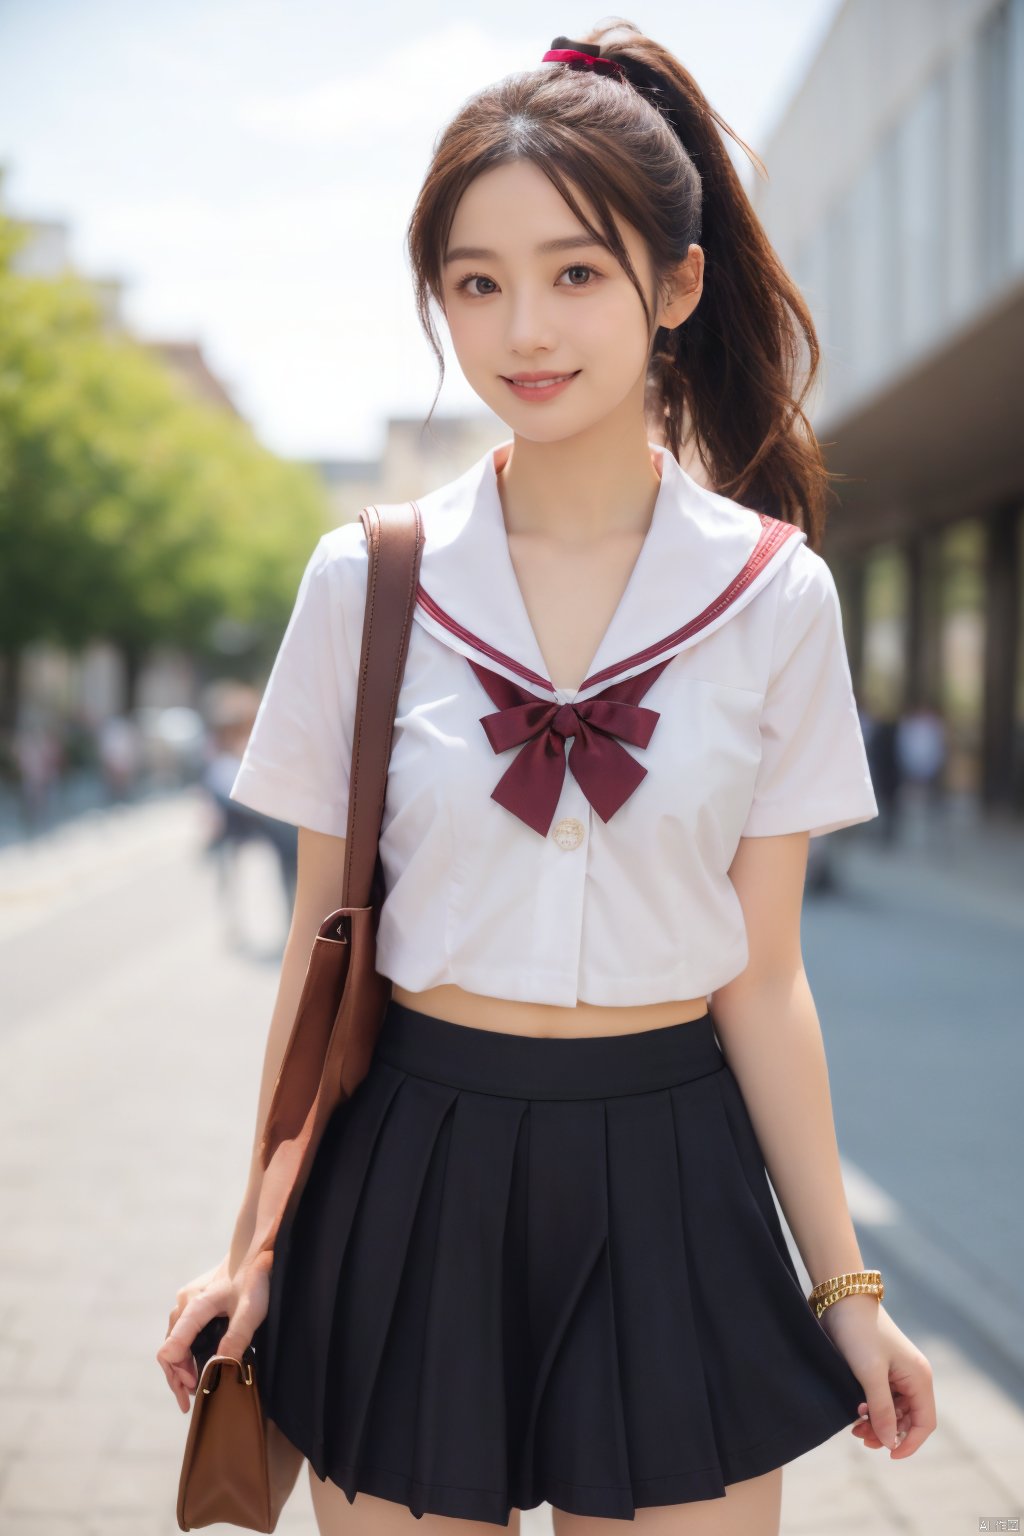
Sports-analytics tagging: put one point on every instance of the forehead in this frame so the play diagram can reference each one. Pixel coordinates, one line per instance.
(513, 210)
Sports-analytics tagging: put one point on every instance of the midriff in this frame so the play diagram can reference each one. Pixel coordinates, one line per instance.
(512, 1017)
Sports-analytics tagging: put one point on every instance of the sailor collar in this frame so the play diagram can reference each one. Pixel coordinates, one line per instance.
(703, 559)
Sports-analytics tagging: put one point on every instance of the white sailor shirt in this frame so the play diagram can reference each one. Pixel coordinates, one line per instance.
(547, 845)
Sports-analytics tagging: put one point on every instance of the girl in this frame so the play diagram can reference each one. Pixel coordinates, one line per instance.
(538, 1257)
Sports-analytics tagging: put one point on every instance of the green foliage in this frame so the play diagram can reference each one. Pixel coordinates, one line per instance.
(129, 509)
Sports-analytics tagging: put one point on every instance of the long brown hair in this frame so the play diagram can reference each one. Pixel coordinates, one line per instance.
(725, 382)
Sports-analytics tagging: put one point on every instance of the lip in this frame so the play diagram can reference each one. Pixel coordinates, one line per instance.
(539, 390)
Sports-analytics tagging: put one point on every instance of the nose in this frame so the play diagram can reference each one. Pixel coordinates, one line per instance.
(529, 329)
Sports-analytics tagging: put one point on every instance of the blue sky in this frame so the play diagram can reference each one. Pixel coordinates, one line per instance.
(248, 167)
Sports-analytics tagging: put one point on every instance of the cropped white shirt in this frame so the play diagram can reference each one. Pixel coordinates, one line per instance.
(546, 845)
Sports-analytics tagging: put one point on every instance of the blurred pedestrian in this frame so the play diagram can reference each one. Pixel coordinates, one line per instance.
(119, 752)
(884, 763)
(235, 825)
(38, 758)
(921, 749)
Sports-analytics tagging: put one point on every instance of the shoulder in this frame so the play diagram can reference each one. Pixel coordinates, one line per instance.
(806, 587)
(343, 546)
(808, 621)
(339, 562)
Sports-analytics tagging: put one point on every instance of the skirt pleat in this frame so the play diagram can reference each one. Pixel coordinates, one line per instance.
(574, 1437)
(674, 1457)
(502, 1287)
(779, 1384)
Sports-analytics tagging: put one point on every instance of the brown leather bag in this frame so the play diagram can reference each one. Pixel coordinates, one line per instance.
(238, 1467)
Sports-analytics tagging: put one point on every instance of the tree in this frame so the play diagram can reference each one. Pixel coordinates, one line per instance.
(130, 510)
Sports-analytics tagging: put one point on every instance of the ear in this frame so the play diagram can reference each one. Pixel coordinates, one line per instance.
(682, 289)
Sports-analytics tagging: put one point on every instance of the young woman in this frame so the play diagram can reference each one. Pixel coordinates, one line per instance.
(538, 1257)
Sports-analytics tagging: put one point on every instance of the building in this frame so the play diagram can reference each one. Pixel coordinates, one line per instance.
(896, 200)
(413, 458)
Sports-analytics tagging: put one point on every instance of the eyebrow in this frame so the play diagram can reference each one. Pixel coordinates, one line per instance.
(563, 243)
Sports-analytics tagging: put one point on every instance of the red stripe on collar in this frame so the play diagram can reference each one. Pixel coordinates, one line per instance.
(427, 603)
(774, 533)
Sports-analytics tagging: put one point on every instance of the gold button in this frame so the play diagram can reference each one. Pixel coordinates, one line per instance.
(568, 833)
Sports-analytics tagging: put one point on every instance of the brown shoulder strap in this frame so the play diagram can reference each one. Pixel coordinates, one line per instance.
(394, 541)
(343, 997)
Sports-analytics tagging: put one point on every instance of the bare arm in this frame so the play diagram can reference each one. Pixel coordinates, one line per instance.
(321, 863)
(770, 1034)
(771, 1037)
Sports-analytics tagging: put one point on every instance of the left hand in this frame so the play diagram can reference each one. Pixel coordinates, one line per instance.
(895, 1375)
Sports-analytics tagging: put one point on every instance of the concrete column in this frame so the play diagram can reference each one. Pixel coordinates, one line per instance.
(1002, 651)
(913, 676)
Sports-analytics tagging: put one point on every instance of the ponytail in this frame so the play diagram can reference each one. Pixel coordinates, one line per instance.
(727, 379)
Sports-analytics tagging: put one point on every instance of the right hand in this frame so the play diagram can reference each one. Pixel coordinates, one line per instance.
(243, 1298)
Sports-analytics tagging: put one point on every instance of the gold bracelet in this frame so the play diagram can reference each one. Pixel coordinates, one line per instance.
(857, 1282)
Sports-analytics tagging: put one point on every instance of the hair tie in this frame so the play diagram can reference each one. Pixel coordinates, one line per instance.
(582, 56)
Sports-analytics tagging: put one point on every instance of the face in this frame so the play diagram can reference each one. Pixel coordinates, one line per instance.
(521, 304)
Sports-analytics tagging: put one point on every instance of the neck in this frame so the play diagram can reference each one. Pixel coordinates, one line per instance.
(581, 488)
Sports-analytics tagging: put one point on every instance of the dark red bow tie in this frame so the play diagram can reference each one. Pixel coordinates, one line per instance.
(605, 771)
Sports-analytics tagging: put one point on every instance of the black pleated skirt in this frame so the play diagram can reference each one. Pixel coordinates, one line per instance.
(531, 1270)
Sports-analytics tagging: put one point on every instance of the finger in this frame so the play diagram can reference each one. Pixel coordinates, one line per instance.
(882, 1410)
(913, 1437)
(902, 1413)
(180, 1384)
(916, 1425)
(862, 1430)
(917, 1396)
(175, 1353)
(240, 1329)
(213, 1302)
(181, 1378)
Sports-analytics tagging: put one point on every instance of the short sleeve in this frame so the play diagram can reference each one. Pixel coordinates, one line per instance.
(813, 774)
(297, 761)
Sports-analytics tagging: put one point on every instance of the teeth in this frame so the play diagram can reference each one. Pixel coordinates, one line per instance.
(540, 383)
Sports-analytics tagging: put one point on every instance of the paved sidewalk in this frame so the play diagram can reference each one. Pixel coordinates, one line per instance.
(129, 1064)
(958, 858)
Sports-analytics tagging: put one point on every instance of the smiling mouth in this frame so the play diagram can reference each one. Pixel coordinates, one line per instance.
(541, 383)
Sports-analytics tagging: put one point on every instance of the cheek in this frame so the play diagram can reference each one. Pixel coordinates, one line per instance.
(473, 340)
(460, 324)
(612, 335)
